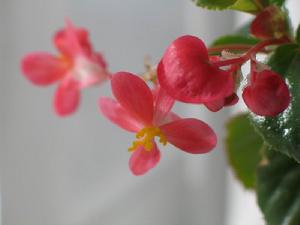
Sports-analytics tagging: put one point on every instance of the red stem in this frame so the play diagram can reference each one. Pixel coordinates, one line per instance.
(234, 47)
(241, 60)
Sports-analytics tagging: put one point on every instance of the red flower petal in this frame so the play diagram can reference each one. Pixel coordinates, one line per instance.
(190, 135)
(99, 59)
(163, 106)
(66, 98)
(186, 74)
(116, 114)
(217, 105)
(43, 68)
(87, 72)
(134, 96)
(267, 94)
(141, 161)
(65, 46)
(72, 42)
(231, 100)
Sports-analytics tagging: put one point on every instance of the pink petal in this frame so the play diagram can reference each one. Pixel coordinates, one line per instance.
(99, 59)
(267, 94)
(186, 74)
(216, 105)
(116, 114)
(65, 46)
(134, 96)
(66, 98)
(231, 100)
(141, 161)
(43, 68)
(163, 105)
(172, 117)
(88, 72)
(190, 135)
(71, 41)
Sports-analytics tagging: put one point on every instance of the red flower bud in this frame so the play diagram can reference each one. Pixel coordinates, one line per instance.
(270, 23)
(267, 94)
(186, 74)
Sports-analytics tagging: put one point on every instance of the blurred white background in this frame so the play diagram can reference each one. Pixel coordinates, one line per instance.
(74, 171)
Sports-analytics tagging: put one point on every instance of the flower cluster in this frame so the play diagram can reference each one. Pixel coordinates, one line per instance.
(189, 75)
(186, 73)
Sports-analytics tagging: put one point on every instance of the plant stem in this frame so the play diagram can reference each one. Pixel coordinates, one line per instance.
(241, 60)
(236, 47)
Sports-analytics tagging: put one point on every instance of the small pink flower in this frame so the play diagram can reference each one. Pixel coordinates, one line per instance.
(267, 94)
(76, 67)
(138, 110)
(186, 73)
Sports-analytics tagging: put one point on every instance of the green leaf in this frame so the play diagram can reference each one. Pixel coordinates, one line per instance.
(282, 59)
(244, 6)
(243, 147)
(240, 5)
(283, 132)
(278, 189)
(215, 4)
(235, 39)
(234, 43)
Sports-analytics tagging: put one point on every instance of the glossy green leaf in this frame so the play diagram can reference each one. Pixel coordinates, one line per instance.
(229, 42)
(234, 39)
(241, 5)
(278, 189)
(282, 59)
(283, 132)
(243, 147)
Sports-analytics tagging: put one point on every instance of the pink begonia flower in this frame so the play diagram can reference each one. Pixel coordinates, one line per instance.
(77, 66)
(187, 75)
(137, 110)
(267, 93)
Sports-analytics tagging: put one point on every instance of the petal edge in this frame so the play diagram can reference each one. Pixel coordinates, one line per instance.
(190, 135)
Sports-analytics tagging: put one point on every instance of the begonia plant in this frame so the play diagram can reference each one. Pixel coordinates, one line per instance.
(262, 144)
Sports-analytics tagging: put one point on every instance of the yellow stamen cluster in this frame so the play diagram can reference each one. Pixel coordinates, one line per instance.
(145, 138)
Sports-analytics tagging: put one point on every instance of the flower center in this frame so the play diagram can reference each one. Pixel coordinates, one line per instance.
(145, 138)
(66, 60)
(87, 70)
